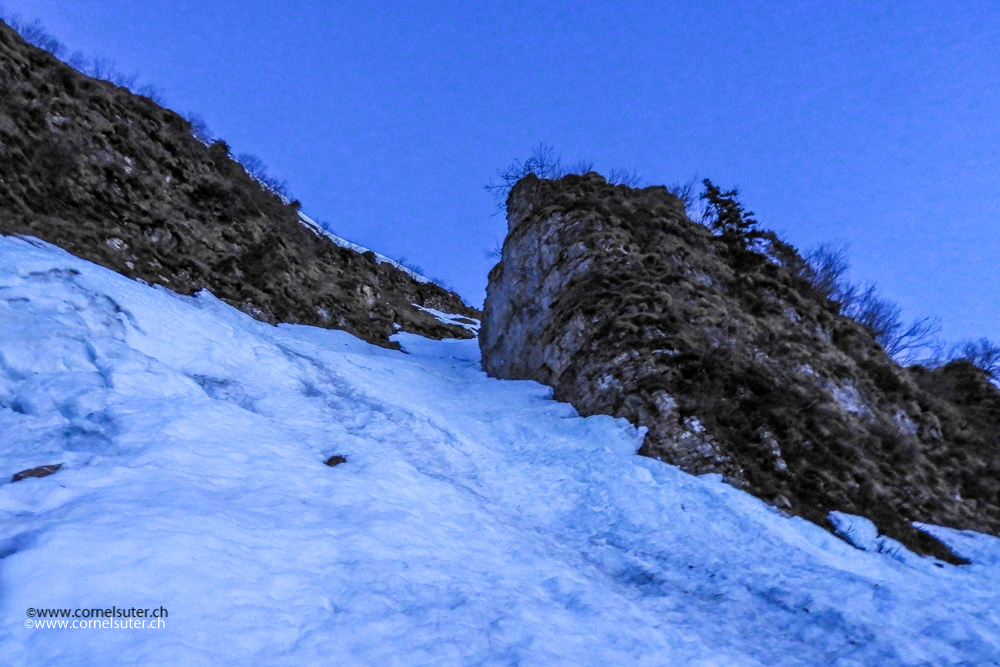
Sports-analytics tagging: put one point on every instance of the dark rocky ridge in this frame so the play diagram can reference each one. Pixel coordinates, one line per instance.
(734, 362)
(115, 179)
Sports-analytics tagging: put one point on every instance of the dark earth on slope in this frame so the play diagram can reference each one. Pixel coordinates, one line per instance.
(735, 363)
(116, 179)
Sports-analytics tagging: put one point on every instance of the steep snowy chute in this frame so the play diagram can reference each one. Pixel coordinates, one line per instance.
(475, 521)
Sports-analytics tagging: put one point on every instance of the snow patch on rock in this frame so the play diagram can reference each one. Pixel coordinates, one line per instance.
(318, 230)
(451, 318)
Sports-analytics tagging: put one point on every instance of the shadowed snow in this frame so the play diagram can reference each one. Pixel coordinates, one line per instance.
(476, 521)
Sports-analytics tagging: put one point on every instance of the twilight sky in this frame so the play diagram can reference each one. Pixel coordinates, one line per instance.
(874, 124)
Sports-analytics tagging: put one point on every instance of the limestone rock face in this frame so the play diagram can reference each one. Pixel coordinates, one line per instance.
(734, 363)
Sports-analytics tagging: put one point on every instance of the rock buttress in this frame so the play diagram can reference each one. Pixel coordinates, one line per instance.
(734, 363)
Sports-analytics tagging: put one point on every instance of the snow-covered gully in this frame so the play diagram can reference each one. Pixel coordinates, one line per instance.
(475, 521)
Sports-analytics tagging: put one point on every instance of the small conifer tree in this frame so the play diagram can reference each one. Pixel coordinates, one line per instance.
(727, 217)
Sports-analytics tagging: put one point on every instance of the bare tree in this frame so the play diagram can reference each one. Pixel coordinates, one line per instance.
(100, 68)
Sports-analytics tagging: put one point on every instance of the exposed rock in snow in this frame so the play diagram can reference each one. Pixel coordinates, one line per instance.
(40, 471)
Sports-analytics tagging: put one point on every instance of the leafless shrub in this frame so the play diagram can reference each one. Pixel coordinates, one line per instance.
(696, 208)
(199, 128)
(124, 80)
(253, 164)
(106, 69)
(496, 252)
(403, 261)
(441, 282)
(326, 226)
(879, 316)
(905, 343)
(545, 163)
(982, 353)
(78, 61)
(883, 320)
(622, 177)
(152, 92)
(826, 269)
(684, 191)
(258, 171)
(34, 33)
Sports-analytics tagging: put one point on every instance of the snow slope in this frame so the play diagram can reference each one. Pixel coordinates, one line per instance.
(476, 521)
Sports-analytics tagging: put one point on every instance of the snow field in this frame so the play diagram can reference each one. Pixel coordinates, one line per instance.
(476, 521)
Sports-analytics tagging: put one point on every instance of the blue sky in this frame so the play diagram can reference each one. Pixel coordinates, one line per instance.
(873, 124)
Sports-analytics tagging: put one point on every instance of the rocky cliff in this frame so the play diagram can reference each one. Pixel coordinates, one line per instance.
(734, 363)
(114, 178)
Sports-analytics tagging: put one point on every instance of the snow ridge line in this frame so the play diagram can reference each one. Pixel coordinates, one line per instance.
(317, 229)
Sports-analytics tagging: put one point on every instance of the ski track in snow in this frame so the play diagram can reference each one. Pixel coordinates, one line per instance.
(476, 521)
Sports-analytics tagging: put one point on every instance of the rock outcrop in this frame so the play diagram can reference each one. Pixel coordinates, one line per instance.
(734, 363)
(114, 178)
